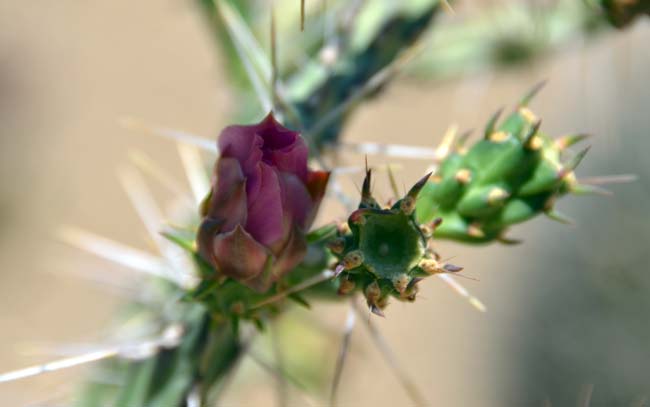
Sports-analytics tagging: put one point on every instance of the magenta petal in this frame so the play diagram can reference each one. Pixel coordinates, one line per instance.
(228, 201)
(275, 135)
(296, 198)
(254, 182)
(238, 255)
(243, 144)
(265, 214)
(292, 159)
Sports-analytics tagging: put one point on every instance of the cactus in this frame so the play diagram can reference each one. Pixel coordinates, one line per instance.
(247, 273)
(513, 174)
(384, 251)
(317, 97)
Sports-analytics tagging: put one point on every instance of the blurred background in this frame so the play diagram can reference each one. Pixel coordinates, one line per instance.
(567, 310)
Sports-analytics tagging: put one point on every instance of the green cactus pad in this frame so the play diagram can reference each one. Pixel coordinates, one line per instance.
(515, 173)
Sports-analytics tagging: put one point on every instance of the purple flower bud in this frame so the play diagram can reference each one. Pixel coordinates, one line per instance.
(263, 200)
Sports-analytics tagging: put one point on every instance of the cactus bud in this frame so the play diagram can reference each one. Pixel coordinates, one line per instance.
(263, 200)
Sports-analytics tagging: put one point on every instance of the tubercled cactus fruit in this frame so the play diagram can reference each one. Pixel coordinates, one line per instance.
(385, 252)
(513, 174)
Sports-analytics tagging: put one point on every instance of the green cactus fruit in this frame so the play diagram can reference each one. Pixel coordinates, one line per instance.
(513, 174)
(385, 252)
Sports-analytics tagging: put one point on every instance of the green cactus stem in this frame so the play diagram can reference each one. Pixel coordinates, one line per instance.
(513, 174)
(365, 39)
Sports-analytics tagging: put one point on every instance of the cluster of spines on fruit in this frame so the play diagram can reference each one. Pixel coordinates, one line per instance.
(513, 174)
(384, 252)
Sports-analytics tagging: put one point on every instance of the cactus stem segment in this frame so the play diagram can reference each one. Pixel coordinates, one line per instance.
(506, 178)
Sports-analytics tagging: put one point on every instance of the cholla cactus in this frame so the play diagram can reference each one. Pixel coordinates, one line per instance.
(252, 252)
(513, 174)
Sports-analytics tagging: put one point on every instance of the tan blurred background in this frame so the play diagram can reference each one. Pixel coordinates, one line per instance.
(565, 310)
